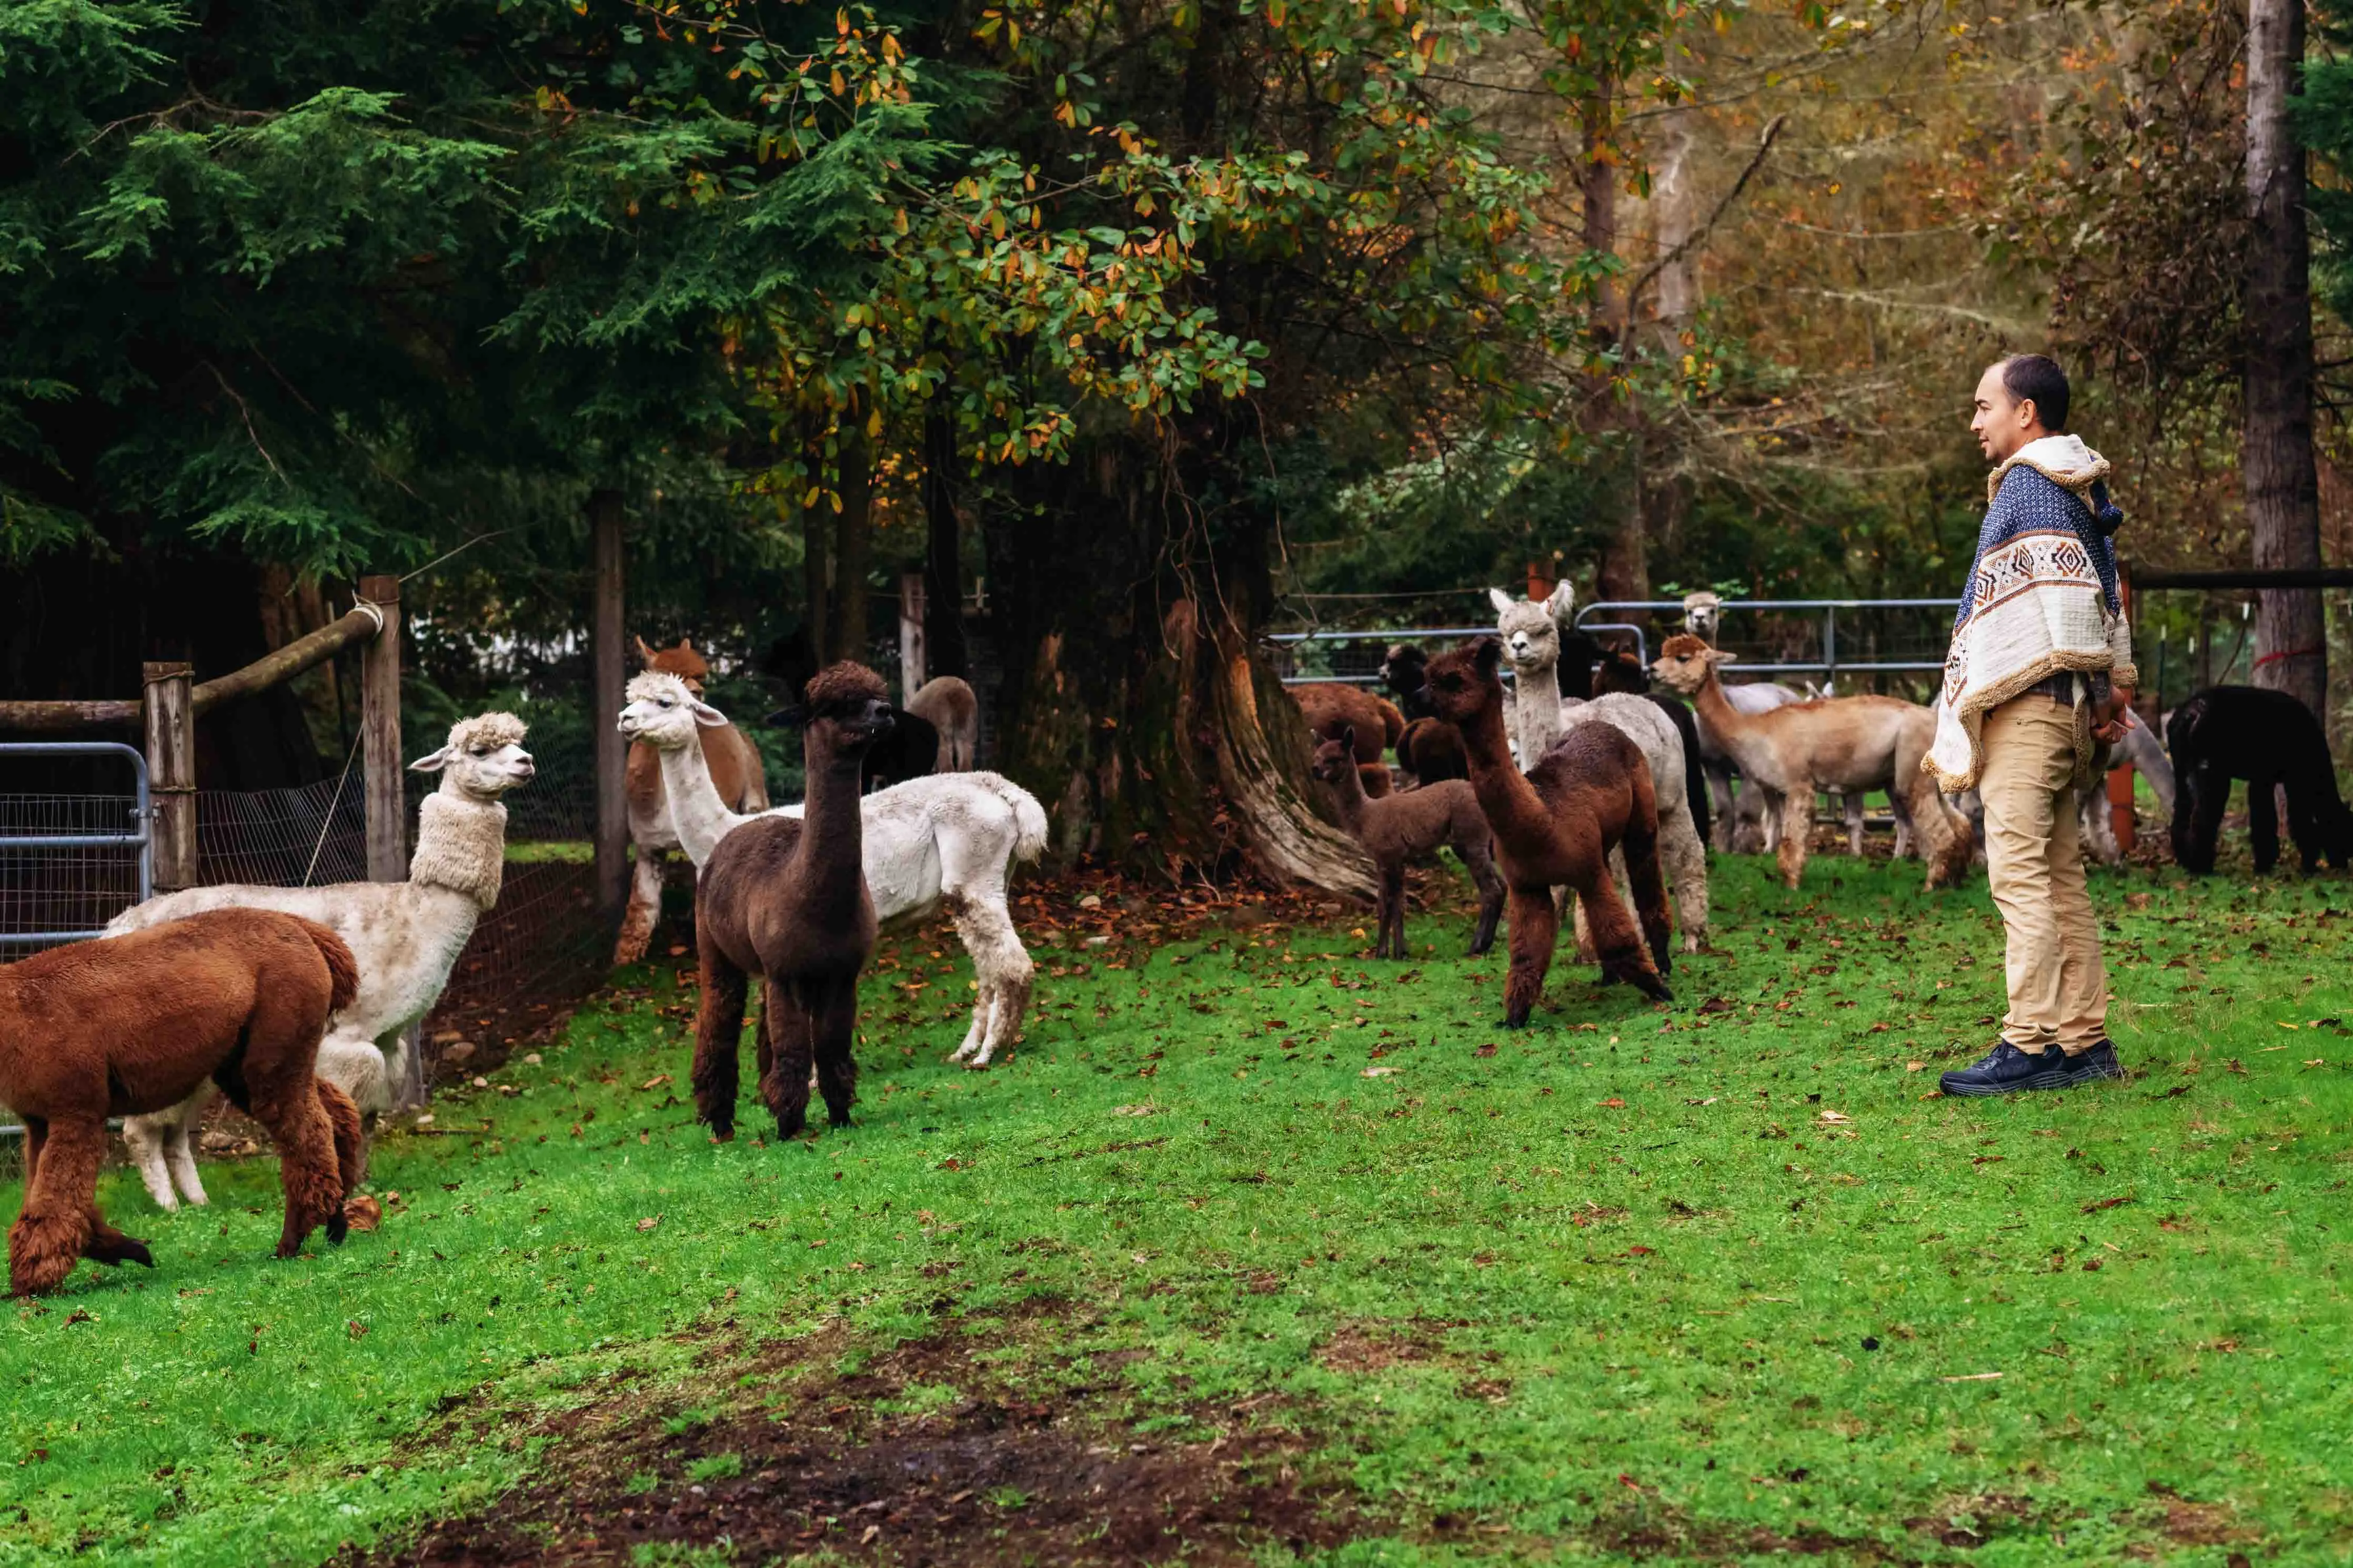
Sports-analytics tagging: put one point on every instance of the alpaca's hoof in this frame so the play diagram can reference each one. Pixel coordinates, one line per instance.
(837, 1118)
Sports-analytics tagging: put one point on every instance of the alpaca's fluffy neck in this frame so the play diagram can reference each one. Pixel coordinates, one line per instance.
(1348, 792)
(1536, 699)
(832, 844)
(697, 814)
(1508, 800)
(461, 845)
(1745, 738)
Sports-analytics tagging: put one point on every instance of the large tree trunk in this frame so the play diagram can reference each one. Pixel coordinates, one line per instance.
(1624, 570)
(853, 538)
(1135, 704)
(2282, 485)
(943, 646)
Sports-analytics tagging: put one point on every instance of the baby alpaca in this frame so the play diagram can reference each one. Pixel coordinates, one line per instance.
(111, 1028)
(1412, 827)
(2269, 738)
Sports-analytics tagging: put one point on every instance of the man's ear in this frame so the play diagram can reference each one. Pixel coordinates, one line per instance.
(434, 762)
(1501, 600)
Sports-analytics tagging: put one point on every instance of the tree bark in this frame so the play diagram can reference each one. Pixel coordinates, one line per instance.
(944, 648)
(853, 537)
(1624, 569)
(2282, 480)
(608, 673)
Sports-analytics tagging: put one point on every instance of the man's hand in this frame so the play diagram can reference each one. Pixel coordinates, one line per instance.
(2119, 718)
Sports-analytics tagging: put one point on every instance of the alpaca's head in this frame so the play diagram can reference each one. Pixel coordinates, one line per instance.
(1703, 614)
(1462, 685)
(1402, 667)
(1685, 663)
(681, 661)
(483, 759)
(664, 713)
(845, 709)
(1621, 669)
(1531, 627)
(1336, 757)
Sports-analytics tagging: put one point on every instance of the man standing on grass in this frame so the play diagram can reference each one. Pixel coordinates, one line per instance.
(2036, 685)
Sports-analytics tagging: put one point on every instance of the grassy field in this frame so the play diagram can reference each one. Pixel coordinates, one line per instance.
(1261, 1252)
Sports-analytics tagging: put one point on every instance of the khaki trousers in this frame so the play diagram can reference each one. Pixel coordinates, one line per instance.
(2058, 986)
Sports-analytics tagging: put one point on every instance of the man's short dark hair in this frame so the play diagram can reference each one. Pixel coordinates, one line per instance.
(2037, 378)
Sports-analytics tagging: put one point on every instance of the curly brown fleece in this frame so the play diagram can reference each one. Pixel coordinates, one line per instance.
(132, 1025)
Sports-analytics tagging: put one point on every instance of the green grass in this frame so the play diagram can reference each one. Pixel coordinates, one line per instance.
(1667, 1276)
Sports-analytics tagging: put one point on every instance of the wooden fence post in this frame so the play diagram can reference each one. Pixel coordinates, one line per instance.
(384, 782)
(605, 704)
(912, 661)
(380, 746)
(171, 714)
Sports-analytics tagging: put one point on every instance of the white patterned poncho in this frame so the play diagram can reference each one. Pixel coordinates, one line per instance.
(2040, 601)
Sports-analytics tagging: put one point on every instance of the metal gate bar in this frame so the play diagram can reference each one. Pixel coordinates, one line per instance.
(1827, 666)
(141, 838)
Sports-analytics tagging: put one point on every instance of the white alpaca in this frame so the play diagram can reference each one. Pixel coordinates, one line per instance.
(948, 839)
(405, 936)
(1531, 633)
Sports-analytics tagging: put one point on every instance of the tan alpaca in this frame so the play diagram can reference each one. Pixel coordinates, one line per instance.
(1841, 745)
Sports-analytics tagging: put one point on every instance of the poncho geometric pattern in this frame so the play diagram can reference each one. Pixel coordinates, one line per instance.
(2041, 600)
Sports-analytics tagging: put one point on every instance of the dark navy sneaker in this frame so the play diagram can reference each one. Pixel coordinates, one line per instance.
(2005, 1069)
(2093, 1064)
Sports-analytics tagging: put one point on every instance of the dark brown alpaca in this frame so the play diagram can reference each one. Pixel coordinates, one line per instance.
(1328, 705)
(1555, 826)
(132, 1025)
(1412, 827)
(785, 898)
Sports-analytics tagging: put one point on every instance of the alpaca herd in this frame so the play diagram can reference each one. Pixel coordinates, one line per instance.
(1580, 782)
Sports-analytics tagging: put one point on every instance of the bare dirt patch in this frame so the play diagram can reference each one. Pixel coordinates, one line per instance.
(919, 1456)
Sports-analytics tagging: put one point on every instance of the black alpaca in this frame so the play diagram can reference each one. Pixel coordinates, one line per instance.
(1619, 670)
(2267, 738)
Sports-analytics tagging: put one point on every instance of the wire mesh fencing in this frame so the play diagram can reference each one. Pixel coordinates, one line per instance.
(63, 889)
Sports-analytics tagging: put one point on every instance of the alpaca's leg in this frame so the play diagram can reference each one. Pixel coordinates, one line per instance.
(2204, 795)
(1616, 942)
(639, 920)
(1001, 964)
(1797, 825)
(1852, 803)
(718, 1038)
(1392, 932)
(179, 1148)
(149, 1139)
(351, 1138)
(2262, 822)
(282, 1054)
(1906, 843)
(1478, 856)
(61, 1161)
(1945, 843)
(1726, 828)
(1684, 861)
(1641, 853)
(2302, 823)
(1535, 923)
(790, 1020)
(836, 1015)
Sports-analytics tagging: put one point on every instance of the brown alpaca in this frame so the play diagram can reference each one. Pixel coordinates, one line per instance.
(1431, 751)
(785, 897)
(1331, 705)
(1372, 778)
(734, 766)
(132, 1025)
(1412, 827)
(1555, 826)
(950, 706)
(1841, 744)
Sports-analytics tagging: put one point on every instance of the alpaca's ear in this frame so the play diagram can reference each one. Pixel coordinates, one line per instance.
(686, 645)
(435, 763)
(707, 716)
(1717, 656)
(1346, 737)
(791, 717)
(645, 654)
(1487, 652)
(1563, 599)
(1501, 600)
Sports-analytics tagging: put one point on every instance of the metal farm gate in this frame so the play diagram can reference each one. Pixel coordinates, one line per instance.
(69, 863)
